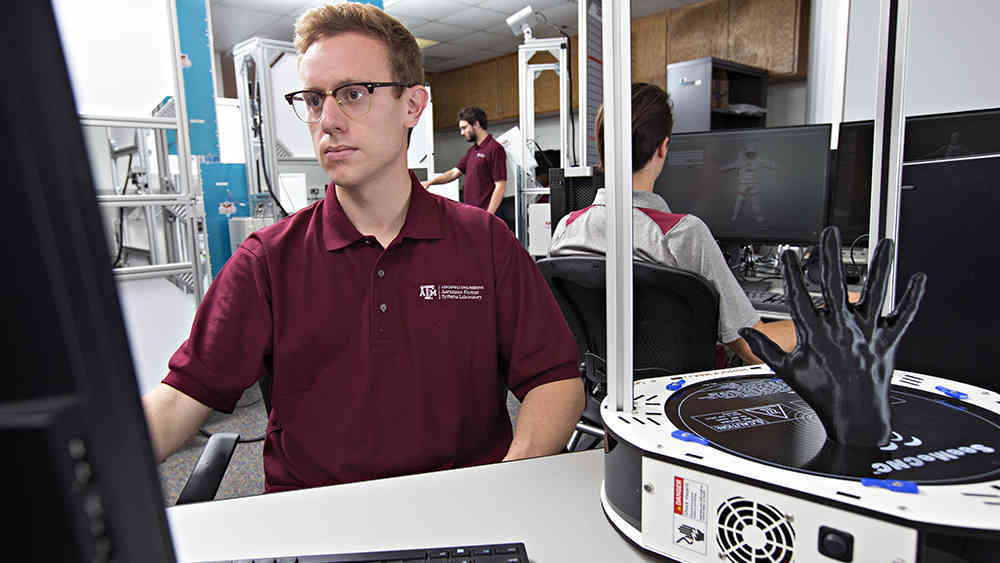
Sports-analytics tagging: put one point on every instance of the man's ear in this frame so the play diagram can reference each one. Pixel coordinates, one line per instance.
(661, 150)
(416, 101)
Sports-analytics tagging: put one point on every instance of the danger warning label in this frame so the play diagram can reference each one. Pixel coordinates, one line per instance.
(690, 513)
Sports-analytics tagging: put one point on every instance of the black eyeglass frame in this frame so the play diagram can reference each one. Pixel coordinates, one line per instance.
(370, 86)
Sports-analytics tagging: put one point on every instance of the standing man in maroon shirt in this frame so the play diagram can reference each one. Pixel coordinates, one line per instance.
(393, 320)
(484, 165)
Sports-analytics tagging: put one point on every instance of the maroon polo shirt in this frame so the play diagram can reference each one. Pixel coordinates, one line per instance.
(483, 165)
(386, 361)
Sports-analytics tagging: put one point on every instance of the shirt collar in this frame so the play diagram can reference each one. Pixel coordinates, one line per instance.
(485, 140)
(645, 200)
(423, 218)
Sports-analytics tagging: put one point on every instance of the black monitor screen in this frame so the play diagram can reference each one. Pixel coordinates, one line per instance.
(79, 467)
(763, 185)
(951, 135)
(850, 194)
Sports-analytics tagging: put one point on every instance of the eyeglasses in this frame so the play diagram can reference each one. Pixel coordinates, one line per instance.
(354, 99)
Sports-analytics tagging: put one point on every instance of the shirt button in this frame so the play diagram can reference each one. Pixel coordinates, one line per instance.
(381, 273)
(382, 307)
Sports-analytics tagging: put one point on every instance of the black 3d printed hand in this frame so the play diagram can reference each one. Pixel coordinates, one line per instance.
(844, 358)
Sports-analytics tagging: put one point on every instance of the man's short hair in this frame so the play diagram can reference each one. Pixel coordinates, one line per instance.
(334, 19)
(472, 114)
(652, 121)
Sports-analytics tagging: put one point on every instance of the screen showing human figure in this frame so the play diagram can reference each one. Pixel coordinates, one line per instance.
(750, 185)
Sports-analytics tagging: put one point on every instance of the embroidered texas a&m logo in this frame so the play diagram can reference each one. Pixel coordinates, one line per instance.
(453, 292)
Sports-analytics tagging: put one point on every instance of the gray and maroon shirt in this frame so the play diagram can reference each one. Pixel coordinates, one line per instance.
(661, 237)
(483, 165)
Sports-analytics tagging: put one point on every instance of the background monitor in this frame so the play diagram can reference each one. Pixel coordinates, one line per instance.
(851, 181)
(82, 482)
(951, 135)
(752, 185)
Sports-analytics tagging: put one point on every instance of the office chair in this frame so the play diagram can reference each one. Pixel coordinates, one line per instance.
(675, 319)
(568, 194)
(205, 478)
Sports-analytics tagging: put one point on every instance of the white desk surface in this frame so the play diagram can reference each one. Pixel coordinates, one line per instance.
(552, 504)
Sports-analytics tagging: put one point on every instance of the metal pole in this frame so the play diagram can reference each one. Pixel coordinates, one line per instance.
(896, 140)
(136, 122)
(526, 85)
(564, 109)
(890, 122)
(581, 81)
(141, 200)
(618, 182)
(183, 146)
(153, 271)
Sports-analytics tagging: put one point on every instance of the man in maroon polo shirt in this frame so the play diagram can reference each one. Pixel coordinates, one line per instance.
(394, 321)
(484, 164)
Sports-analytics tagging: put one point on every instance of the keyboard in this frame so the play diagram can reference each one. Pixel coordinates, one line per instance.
(491, 553)
(774, 302)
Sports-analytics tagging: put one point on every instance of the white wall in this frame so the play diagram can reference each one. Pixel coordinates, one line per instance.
(118, 55)
(950, 60)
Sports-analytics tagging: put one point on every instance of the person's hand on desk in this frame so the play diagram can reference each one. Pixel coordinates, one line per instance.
(547, 417)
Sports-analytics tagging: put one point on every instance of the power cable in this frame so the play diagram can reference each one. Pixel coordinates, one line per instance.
(120, 239)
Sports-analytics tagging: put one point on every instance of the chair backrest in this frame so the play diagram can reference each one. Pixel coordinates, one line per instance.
(570, 193)
(675, 318)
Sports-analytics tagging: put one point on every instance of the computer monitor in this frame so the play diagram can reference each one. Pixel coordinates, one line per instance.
(951, 135)
(751, 185)
(851, 181)
(81, 480)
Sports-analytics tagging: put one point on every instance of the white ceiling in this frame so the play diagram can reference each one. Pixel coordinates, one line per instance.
(468, 31)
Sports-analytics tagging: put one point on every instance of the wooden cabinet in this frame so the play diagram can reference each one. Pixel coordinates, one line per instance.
(649, 49)
(771, 34)
(474, 85)
(699, 30)
(507, 87)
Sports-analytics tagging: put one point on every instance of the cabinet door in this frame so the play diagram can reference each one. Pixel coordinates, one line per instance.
(446, 90)
(546, 86)
(649, 49)
(699, 30)
(770, 34)
(507, 87)
(480, 87)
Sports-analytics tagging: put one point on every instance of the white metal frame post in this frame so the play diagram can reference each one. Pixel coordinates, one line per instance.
(897, 130)
(581, 95)
(527, 73)
(618, 183)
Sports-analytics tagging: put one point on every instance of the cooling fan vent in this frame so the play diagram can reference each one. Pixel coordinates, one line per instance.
(753, 532)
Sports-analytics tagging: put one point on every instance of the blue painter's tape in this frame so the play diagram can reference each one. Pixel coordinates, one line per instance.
(894, 485)
(688, 437)
(952, 393)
